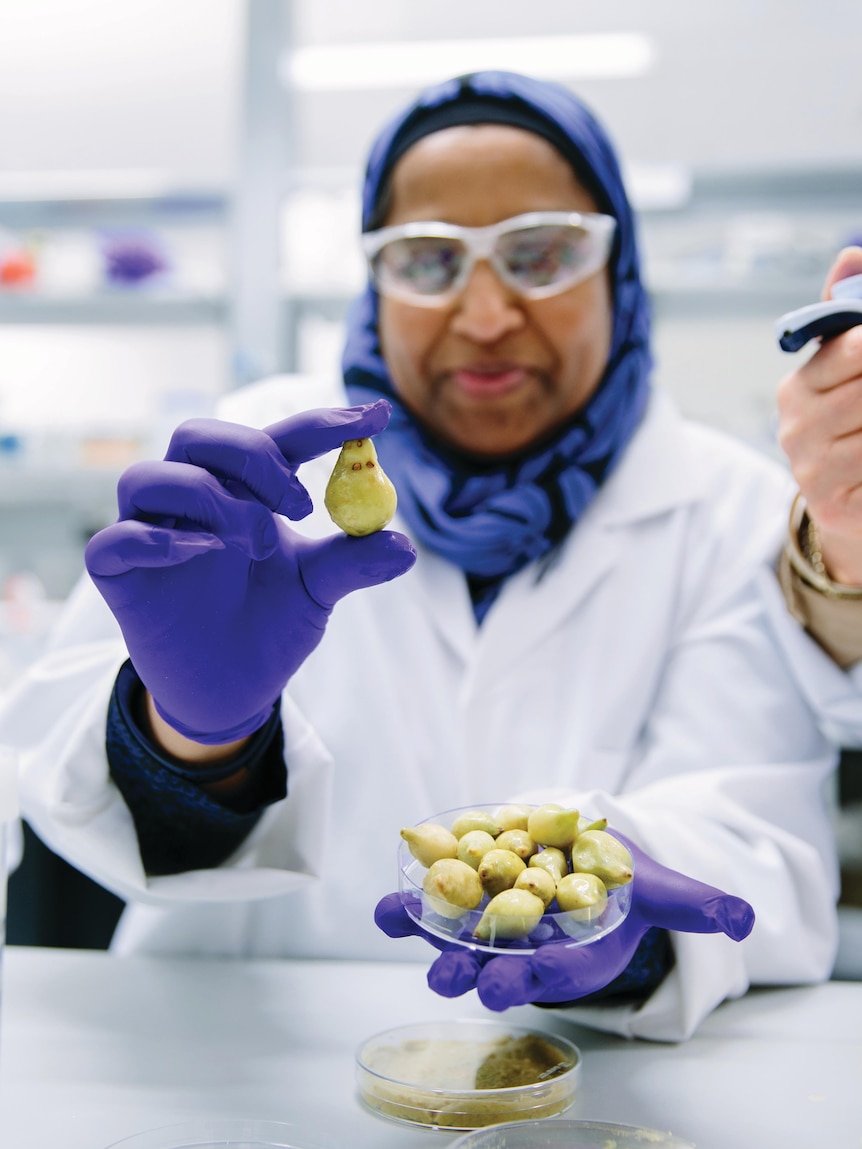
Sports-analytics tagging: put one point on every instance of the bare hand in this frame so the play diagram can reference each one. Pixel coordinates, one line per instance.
(820, 431)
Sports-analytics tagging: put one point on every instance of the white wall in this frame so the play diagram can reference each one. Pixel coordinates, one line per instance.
(131, 84)
(760, 83)
(152, 84)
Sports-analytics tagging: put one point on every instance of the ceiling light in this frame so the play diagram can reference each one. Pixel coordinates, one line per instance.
(410, 64)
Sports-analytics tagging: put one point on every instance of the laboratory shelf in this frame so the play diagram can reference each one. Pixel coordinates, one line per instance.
(111, 308)
(25, 485)
(714, 299)
(732, 300)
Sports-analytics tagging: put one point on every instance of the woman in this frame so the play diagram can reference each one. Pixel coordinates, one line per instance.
(582, 622)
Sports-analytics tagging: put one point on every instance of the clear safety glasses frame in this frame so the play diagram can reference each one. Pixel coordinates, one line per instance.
(432, 275)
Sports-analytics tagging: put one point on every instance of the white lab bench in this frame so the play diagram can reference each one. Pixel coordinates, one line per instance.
(95, 1047)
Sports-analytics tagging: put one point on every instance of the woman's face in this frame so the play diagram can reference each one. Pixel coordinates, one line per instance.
(491, 373)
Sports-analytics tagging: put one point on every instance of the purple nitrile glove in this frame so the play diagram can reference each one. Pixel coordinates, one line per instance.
(557, 972)
(218, 599)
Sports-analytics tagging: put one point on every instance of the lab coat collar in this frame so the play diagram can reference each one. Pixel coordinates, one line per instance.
(653, 477)
(657, 472)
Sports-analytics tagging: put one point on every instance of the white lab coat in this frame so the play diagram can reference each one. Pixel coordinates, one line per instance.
(637, 676)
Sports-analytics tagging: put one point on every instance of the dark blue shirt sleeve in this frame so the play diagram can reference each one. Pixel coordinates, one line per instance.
(179, 826)
(650, 964)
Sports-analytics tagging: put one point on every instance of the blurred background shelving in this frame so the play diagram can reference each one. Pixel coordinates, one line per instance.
(179, 211)
(94, 373)
(180, 189)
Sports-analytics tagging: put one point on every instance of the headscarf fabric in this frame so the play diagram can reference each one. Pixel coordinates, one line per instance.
(493, 518)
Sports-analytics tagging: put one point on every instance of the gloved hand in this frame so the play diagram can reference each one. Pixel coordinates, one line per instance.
(218, 599)
(556, 972)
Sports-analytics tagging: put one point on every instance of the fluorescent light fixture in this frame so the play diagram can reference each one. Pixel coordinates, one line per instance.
(410, 64)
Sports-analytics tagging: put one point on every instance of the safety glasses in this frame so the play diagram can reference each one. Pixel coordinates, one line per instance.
(538, 254)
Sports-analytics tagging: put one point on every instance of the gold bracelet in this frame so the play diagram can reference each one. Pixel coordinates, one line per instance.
(811, 548)
(806, 556)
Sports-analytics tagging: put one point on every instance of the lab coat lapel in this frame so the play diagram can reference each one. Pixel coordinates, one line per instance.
(447, 603)
(537, 600)
(652, 479)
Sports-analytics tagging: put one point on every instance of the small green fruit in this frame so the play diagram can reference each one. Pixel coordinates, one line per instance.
(582, 892)
(359, 495)
(513, 817)
(473, 846)
(552, 825)
(537, 881)
(510, 914)
(552, 860)
(599, 853)
(519, 842)
(498, 871)
(429, 842)
(452, 887)
(475, 820)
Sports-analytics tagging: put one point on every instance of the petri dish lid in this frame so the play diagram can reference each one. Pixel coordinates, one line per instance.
(570, 1134)
(219, 1134)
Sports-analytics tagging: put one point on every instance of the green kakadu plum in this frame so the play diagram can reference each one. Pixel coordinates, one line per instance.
(475, 820)
(359, 496)
(510, 914)
(597, 852)
(513, 817)
(552, 860)
(473, 846)
(537, 881)
(553, 825)
(583, 895)
(452, 887)
(498, 871)
(585, 823)
(519, 842)
(428, 842)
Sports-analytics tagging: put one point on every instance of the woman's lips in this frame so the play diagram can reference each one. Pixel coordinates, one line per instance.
(488, 382)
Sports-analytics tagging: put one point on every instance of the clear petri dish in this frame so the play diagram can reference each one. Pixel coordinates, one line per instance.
(569, 1134)
(572, 927)
(219, 1134)
(466, 1074)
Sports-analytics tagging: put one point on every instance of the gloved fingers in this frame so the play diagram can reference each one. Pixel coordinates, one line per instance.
(454, 972)
(335, 566)
(704, 910)
(314, 433)
(564, 973)
(167, 493)
(504, 982)
(391, 916)
(666, 898)
(128, 545)
(239, 454)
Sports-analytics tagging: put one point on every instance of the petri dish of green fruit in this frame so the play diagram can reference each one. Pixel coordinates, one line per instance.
(508, 878)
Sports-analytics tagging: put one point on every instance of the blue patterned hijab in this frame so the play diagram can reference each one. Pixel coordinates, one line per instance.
(492, 518)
